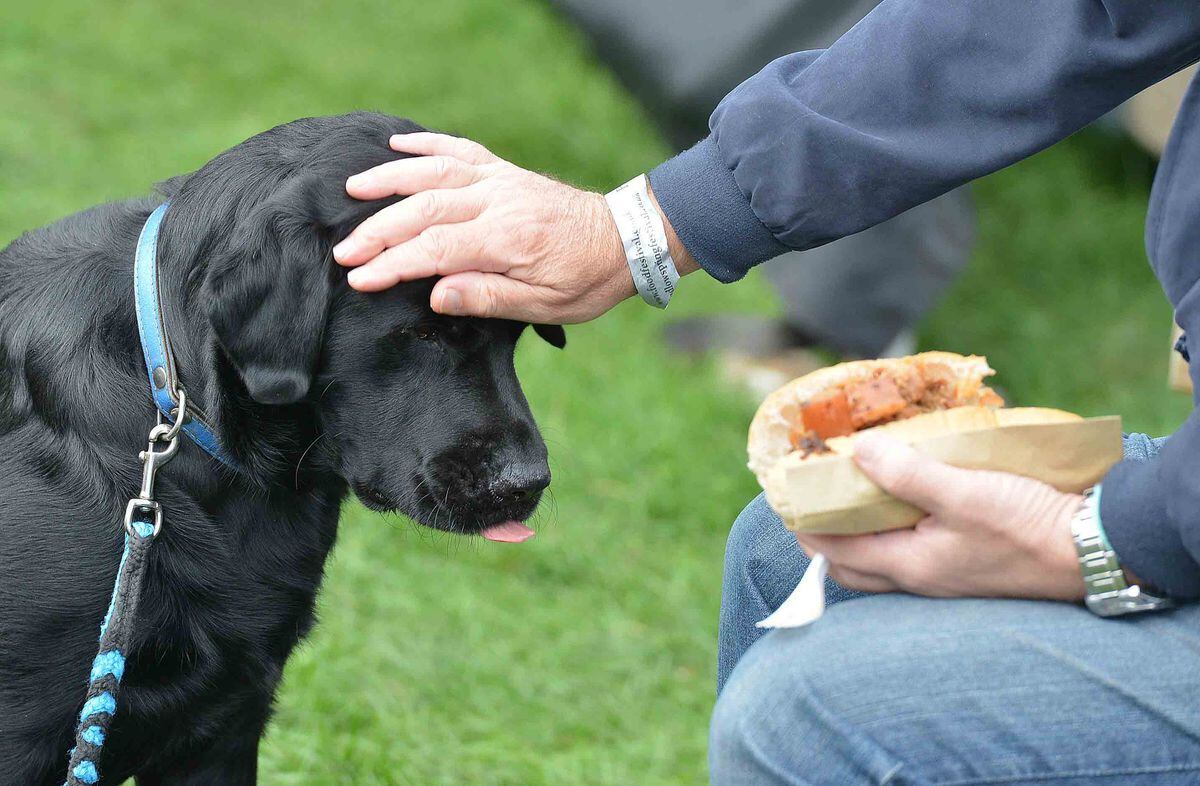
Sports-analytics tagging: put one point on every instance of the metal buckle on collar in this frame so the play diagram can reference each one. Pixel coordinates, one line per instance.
(166, 434)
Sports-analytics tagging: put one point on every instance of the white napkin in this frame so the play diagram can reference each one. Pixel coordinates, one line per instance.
(806, 604)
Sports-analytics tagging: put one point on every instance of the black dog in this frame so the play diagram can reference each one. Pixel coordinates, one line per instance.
(315, 390)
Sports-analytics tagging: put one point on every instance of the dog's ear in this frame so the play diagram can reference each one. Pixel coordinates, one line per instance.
(554, 335)
(172, 185)
(268, 294)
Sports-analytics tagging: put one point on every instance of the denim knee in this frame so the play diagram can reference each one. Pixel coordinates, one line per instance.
(755, 520)
(770, 727)
(761, 554)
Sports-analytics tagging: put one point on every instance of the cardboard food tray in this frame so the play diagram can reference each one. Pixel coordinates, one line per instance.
(829, 494)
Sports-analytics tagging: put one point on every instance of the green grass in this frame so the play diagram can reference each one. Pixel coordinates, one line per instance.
(584, 657)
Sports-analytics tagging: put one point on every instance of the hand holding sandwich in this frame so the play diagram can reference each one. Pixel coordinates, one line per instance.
(892, 469)
(987, 534)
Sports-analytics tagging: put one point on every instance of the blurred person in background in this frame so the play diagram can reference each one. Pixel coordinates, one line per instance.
(679, 58)
(900, 685)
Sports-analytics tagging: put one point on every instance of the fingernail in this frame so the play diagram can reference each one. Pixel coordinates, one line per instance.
(356, 276)
(343, 249)
(451, 302)
(396, 140)
(354, 181)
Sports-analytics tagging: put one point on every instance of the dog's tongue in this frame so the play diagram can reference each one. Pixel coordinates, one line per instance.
(508, 532)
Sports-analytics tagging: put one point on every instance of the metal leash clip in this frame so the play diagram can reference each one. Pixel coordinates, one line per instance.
(152, 460)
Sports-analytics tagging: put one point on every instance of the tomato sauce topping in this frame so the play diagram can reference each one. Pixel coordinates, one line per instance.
(892, 394)
(829, 415)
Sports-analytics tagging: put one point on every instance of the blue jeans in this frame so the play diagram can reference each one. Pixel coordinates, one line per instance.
(897, 689)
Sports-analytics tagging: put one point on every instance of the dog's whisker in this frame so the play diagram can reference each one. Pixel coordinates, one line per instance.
(317, 439)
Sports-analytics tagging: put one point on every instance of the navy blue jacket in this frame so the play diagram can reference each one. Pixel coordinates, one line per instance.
(923, 96)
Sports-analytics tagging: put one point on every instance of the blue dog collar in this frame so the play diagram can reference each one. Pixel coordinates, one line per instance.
(156, 348)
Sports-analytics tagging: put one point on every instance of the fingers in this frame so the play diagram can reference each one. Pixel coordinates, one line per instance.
(881, 553)
(406, 176)
(489, 295)
(848, 577)
(437, 251)
(910, 475)
(863, 582)
(427, 143)
(405, 220)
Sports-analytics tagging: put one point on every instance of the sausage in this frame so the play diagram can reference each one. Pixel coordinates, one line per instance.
(874, 401)
(828, 415)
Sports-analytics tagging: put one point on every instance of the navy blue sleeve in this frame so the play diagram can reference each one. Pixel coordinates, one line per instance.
(1151, 514)
(1151, 510)
(918, 98)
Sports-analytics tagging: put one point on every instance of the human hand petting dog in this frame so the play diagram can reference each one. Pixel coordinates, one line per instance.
(507, 242)
(987, 534)
(514, 244)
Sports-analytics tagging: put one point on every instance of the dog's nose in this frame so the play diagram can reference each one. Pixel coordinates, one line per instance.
(520, 482)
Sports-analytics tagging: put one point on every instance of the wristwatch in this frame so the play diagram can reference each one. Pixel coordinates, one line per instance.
(1109, 594)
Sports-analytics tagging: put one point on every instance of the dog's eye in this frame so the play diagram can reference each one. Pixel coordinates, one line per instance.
(451, 332)
(419, 332)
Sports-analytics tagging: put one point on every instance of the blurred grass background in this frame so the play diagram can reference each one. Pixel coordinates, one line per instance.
(586, 656)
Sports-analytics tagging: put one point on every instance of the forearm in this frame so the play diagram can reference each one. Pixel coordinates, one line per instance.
(920, 97)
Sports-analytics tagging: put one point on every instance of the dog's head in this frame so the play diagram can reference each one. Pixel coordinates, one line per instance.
(427, 411)
(418, 412)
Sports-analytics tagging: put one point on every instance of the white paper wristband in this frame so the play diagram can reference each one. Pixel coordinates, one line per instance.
(645, 240)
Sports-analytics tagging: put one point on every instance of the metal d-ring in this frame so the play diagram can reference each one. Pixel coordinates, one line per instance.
(179, 413)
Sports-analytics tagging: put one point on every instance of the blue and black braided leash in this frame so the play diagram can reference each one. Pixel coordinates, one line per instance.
(143, 522)
(109, 665)
(143, 515)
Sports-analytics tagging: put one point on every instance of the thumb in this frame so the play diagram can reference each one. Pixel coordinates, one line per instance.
(487, 295)
(910, 475)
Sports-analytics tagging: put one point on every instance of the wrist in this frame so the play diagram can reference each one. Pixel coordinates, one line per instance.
(1060, 555)
(684, 262)
(1109, 592)
(645, 241)
(609, 250)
